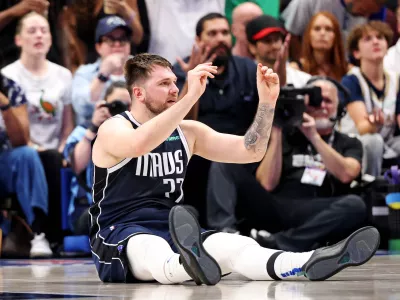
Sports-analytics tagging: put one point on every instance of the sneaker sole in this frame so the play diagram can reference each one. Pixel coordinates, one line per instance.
(356, 250)
(186, 234)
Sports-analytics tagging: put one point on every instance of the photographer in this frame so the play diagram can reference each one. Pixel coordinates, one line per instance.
(78, 147)
(300, 188)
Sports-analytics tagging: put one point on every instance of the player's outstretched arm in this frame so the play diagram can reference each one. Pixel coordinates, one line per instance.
(118, 139)
(220, 147)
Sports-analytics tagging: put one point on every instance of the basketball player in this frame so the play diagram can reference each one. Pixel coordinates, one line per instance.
(139, 233)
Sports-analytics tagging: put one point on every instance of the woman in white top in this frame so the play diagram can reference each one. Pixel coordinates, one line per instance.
(48, 88)
(46, 85)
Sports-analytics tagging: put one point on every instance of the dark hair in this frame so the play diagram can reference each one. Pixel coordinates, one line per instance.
(208, 17)
(358, 32)
(113, 86)
(139, 67)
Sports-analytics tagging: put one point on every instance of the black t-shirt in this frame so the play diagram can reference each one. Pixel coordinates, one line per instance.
(298, 153)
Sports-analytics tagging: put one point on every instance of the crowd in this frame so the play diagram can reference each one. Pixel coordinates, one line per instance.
(62, 75)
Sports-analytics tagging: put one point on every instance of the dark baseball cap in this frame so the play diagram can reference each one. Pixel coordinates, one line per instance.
(261, 27)
(109, 24)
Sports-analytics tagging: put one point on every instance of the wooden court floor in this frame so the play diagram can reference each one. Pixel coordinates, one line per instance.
(77, 279)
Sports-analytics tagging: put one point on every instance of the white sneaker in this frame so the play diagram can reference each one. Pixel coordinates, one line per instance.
(40, 246)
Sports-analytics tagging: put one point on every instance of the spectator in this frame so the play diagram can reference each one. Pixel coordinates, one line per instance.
(228, 104)
(349, 13)
(79, 20)
(300, 189)
(172, 24)
(48, 91)
(374, 108)
(231, 95)
(241, 15)
(78, 148)
(392, 58)
(323, 51)
(10, 13)
(267, 43)
(91, 81)
(21, 170)
(47, 85)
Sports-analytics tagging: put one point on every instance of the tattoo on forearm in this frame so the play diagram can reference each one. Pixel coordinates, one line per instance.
(257, 136)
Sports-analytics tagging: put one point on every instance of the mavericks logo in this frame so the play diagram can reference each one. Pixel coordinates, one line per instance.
(173, 138)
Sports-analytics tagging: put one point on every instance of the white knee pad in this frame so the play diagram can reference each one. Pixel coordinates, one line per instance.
(146, 255)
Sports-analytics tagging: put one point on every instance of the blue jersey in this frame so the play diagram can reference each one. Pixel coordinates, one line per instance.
(152, 180)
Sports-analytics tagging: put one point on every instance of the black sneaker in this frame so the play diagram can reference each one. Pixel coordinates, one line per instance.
(186, 234)
(355, 250)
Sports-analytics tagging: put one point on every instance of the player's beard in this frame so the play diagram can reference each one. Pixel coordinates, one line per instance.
(155, 108)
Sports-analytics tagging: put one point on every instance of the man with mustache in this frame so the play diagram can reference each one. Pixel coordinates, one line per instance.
(230, 100)
(300, 190)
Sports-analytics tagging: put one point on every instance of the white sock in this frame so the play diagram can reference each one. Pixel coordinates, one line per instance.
(245, 256)
(240, 254)
(288, 264)
(252, 262)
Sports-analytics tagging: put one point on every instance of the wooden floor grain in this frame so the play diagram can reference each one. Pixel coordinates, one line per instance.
(77, 279)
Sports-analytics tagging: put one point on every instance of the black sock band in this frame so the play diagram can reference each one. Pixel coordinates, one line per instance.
(271, 265)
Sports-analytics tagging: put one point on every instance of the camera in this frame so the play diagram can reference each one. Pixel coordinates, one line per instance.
(291, 106)
(116, 107)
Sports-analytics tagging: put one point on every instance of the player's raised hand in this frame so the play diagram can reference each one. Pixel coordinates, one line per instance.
(197, 78)
(267, 84)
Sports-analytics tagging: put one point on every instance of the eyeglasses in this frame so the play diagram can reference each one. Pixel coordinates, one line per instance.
(111, 41)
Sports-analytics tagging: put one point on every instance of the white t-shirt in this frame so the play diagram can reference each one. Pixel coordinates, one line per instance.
(296, 77)
(47, 95)
(173, 24)
(391, 61)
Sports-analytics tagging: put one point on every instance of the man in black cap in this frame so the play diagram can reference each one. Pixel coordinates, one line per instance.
(267, 43)
(90, 82)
